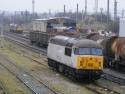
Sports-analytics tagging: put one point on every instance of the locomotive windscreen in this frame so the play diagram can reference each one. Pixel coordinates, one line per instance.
(88, 51)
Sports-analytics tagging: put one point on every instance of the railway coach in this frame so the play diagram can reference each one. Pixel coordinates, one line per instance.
(79, 58)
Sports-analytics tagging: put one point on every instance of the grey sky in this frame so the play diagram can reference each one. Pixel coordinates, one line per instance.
(55, 5)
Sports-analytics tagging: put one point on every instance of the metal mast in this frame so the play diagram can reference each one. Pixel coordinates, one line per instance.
(123, 13)
(101, 10)
(115, 10)
(85, 7)
(96, 6)
(33, 7)
(107, 15)
(96, 9)
(77, 13)
(64, 10)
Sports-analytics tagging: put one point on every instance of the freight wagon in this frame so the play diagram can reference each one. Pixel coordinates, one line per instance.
(42, 38)
(114, 48)
(44, 29)
(114, 51)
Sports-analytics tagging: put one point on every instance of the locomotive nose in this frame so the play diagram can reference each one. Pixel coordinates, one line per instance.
(91, 62)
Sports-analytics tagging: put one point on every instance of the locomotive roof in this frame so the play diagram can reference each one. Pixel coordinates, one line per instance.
(87, 43)
(69, 42)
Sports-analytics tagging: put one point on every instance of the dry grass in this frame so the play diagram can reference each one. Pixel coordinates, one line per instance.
(11, 83)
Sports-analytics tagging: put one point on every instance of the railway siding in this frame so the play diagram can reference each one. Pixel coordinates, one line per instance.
(115, 73)
(9, 84)
(46, 75)
(38, 72)
(26, 78)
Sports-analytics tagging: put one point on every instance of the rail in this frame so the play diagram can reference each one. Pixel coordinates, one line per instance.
(35, 85)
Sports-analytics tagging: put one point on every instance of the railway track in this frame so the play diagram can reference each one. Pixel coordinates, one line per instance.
(2, 90)
(17, 36)
(93, 87)
(35, 85)
(40, 51)
(26, 44)
(114, 76)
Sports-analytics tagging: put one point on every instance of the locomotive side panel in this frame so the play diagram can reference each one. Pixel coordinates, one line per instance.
(57, 53)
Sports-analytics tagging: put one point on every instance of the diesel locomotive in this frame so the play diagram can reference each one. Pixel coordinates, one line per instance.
(16, 28)
(79, 58)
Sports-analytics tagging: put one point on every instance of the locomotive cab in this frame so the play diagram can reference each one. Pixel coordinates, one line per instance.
(88, 58)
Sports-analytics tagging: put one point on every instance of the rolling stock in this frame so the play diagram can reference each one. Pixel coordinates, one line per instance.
(16, 28)
(114, 51)
(42, 38)
(44, 29)
(79, 58)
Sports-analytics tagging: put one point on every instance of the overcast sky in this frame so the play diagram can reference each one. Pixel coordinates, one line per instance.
(56, 5)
